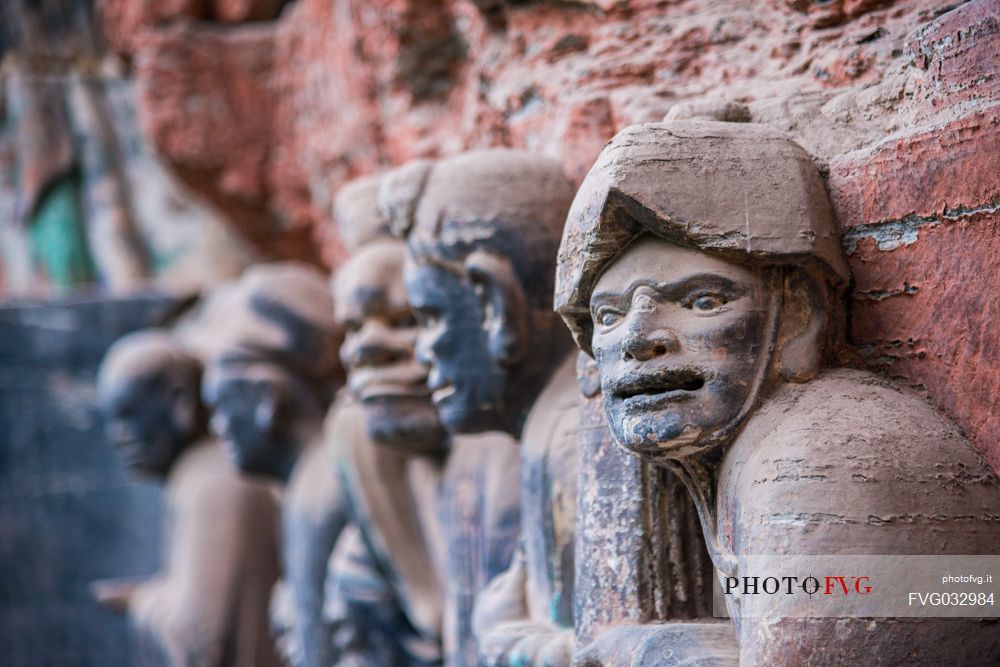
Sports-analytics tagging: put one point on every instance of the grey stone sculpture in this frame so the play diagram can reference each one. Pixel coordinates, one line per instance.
(208, 604)
(700, 267)
(482, 229)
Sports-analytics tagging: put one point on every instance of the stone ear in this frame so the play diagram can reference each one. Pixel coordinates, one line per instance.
(802, 328)
(503, 304)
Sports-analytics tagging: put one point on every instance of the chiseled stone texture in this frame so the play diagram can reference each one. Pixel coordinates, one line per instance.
(209, 102)
(895, 99)
(925, 313)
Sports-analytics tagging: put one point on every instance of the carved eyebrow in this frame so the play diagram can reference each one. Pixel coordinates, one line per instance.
(676, 288)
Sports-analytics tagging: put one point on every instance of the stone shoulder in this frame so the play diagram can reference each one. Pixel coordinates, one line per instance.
(851, 462)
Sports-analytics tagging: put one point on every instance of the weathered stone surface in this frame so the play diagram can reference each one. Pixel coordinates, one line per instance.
(207, 102)
(69, 512)
(958, 56)
(354, 91)
(562, 78)
(915, 179)
(123, 20)
(919, 213)
(240, 11)
(926, 313)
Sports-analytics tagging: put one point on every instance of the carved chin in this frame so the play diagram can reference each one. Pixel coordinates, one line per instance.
(408, 425)
(657, 436)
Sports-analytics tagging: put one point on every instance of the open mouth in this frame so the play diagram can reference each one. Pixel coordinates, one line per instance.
(442, 393)
(665, 386)
(383, 391)
(388, 383)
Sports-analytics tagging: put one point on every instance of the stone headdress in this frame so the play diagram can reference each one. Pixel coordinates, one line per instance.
(742, 191)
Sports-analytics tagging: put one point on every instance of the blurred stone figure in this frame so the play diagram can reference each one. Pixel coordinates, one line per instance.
(437, 514)
(272, 371)
(482, 229)
(385, 584)
(149, 388)
(208, 604)
(713, 320)
(272, 366)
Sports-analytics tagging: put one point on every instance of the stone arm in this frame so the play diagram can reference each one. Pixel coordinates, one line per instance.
(850, 465)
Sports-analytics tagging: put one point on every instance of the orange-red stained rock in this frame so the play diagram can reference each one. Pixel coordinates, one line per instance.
(928, 313)
(206, 101)
(958, 55)
(238, 11)
(923, 174)
(123, 20)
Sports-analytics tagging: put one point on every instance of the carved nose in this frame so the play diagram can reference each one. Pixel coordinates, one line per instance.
(219, 424)
(643, 347)
(373, 353)
(373, 346)
(422, 351)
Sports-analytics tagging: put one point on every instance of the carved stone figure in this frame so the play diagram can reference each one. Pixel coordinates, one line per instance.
(384, 588)
(271, 374)
(208, 604)
(482, 230)
(700, 267)
(438, 514)
(640, 554)
(273, 366)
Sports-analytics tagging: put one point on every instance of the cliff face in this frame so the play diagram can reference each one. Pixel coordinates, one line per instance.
(266, 112)
(84, 203)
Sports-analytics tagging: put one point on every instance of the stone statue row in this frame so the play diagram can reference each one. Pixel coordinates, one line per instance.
(428, 471)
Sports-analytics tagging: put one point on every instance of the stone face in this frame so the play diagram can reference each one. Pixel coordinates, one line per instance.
(715, 368)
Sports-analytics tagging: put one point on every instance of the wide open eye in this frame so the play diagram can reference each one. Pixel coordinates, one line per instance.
(706, 303)
(426, 317)
(607, 317)
(405, 320)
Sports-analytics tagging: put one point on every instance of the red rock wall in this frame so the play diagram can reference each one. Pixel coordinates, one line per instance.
(897, 100)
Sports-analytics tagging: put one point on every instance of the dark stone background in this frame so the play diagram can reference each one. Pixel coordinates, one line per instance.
(69, 512)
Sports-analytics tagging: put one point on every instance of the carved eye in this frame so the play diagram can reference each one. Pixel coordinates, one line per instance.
(407, 321)
(426, 317)
(607, 317)
(707, 303)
